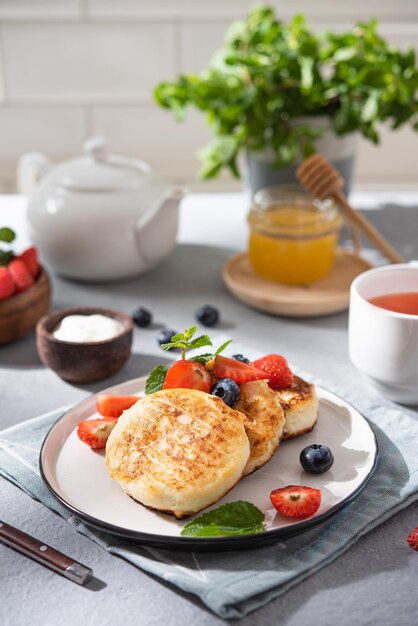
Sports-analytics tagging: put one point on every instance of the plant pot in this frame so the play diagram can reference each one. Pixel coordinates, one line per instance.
(340, 151)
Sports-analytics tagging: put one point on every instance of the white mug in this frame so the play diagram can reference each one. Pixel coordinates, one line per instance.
(383, 344)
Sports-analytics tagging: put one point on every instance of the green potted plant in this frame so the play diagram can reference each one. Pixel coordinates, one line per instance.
(278, 92)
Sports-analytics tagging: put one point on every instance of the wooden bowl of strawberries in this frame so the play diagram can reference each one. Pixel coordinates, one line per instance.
(25, 291)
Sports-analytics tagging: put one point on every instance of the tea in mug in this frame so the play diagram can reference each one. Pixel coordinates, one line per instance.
(406, 302)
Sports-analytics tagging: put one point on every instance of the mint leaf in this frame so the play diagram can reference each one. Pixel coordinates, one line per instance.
(234, 518)
(202, 358)
(7, 235)
(189, 332)
(222, 348)
(5, 257)
(199, 342)
(155, 380)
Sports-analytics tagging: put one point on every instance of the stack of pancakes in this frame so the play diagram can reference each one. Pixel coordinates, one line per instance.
(181, 450)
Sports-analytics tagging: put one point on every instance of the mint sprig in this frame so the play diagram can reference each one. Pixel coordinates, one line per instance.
(155, 380)
(233, 518)
(184, 341)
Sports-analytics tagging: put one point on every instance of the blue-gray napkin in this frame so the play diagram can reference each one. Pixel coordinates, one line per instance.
(235, 583)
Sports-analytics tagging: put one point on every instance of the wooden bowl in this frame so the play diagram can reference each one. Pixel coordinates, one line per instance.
(20, 313)
(83, 362)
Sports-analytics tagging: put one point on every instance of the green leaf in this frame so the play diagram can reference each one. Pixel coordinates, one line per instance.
(222, 348)
(7, 235)
(155, 380)
(345, 54)
(370, 108)
(234, 518)
(202, 358)
(5, 257)
(199, 342)
(307, 77)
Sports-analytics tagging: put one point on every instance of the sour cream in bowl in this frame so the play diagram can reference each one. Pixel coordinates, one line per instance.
(84, 344)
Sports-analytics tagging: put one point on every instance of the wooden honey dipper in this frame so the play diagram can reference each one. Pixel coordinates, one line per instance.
(321, 178)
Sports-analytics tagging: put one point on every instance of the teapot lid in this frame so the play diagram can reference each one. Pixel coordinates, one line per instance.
(98, 170)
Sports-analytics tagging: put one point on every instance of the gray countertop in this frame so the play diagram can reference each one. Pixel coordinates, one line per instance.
(373, 583)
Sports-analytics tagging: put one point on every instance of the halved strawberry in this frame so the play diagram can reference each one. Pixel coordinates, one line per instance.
(30, 259)
(296, 501)
(225, 367)
(114, 406)
(7, 286)
(413, 539)
(188, 375)
(20, 274)
(95, 433)
(279, 373)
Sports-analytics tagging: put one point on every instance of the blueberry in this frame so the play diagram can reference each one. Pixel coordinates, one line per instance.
(316, 459)
(142, 317)
(227, 389)
(164, 336)
(207, 315)
(240, 357)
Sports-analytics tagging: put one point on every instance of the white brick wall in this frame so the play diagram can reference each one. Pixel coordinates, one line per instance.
(70, 68)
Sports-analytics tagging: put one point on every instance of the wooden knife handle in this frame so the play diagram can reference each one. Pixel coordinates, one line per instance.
(44, 554)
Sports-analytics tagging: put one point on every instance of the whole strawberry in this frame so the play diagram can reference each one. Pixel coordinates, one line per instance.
(279, 373)
(7, 286)
(20, 274)
(413, 539)
(30, 259)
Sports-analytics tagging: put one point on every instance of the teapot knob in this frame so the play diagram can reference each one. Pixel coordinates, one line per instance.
(96, 147)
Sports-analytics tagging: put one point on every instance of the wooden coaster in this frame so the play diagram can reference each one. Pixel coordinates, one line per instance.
(323, 297)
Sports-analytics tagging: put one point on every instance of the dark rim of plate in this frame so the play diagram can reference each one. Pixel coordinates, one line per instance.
(212, 544)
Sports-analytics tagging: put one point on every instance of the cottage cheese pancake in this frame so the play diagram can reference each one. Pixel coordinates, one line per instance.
(178, 450)
(264, 421)
(300, 405)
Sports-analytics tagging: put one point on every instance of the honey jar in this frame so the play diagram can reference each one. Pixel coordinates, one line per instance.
(293, 235)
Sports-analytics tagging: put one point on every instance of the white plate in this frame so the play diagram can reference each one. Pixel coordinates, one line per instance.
(78, 477)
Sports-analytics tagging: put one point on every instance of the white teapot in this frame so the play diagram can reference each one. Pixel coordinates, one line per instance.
(98, 216)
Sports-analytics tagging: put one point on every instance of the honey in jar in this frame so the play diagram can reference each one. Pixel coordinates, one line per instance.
(293, 235)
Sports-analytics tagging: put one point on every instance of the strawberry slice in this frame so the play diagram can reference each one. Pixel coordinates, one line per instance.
(20, 275)
(114, 406)
(95, 433)
(188, 375)
(7, 286)
(225, 367)
(279, 373)
(296, 501)
(30, 259)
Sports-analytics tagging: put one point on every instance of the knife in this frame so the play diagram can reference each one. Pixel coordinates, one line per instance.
(38, 551)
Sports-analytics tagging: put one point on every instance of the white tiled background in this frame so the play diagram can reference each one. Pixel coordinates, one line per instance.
(71, 68)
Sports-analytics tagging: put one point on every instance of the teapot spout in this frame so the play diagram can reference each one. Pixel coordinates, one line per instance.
(172, 199)
(31, 168)
(156, 234)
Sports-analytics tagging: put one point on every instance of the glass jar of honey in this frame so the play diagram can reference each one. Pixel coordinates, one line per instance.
(293, 235)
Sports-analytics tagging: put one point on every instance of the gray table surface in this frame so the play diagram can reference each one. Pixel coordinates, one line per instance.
(373, 583)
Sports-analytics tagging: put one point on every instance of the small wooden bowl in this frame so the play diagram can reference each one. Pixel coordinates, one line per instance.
(83, 362)
(20, 313)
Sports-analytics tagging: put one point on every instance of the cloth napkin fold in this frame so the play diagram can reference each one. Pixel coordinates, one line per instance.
(235, 583)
